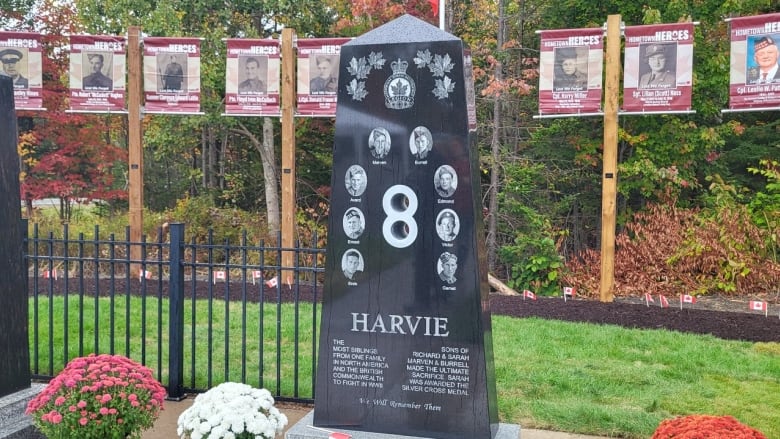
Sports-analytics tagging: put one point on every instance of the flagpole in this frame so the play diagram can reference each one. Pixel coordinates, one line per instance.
(441, 14)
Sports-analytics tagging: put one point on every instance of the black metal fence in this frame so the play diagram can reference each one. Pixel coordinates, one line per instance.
(197, 314)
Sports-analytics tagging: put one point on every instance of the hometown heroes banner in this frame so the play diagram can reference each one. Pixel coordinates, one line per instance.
(20, 58)
(658, 68)
(172, 75)
(252, 78)
(97, 73)
(570, 71)
(755, 80)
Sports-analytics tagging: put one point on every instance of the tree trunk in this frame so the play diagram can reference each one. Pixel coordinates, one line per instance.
(495, 147)
(266, 149)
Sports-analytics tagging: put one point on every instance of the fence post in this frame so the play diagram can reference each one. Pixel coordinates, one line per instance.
(176, 314)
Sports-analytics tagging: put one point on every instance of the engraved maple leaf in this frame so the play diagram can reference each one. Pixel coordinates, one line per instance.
(398, 88)
(357, 89)
(376, 60)
(441, 65)
(359, 68)
(444, 87)
(422, 59)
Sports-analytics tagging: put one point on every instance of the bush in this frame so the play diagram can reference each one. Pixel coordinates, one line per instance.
(684, 251)
(705, 427)
(98, 397)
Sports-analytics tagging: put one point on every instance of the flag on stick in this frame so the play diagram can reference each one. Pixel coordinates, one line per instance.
(687, 298)
(218, 275)
(569, 291)
(289, 282)
(648, 299)
(272, 282)
(143, 274)
(529, 294)
(759, 305)
(664, 302)
(49, 274)
(256, 274)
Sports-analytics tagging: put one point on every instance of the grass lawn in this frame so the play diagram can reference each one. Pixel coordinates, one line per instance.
(584, 378)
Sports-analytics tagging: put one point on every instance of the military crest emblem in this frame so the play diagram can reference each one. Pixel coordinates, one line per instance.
(399, 87)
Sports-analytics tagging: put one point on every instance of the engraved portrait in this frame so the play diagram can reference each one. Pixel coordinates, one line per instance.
(379, 143)
(445, 180)
(354, 223)
(420, 142)
(447, 225)
(355, 180)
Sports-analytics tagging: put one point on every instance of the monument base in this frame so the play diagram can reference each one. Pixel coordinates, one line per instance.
(14, 424)
(303, 430)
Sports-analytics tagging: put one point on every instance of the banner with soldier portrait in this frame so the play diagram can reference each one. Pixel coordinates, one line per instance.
(20, 58)
(97, 73)
(252, 78)
(570, 71)
(172, 75)
(658, 70)
(318, 70)
(754, 82)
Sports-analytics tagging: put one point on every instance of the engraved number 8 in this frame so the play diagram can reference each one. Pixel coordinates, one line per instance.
(400, 204)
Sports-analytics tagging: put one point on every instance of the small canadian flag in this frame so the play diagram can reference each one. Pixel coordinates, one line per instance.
(143, 274)
(664, 302)
(648, 299)
(569, 291)
(256, 274)
(272, 282)
(760, 305)
(687, 298)
(219, 275)
(49, 274)
(529, 294)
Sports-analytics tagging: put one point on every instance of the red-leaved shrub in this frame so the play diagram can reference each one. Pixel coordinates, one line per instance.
(705, 427)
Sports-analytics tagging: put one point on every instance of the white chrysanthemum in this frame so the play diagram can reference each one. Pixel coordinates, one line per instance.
(231, 409)
(205, 427)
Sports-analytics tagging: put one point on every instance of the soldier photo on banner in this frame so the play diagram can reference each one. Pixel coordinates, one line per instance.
(568, 74)
(659, 67)
(15, 65)
(98, 71)
(326, 81)
(171, 68)
(254, 68)
(762, 67)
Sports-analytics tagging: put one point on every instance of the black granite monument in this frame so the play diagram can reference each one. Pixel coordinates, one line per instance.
(405, 342)
(14, 347)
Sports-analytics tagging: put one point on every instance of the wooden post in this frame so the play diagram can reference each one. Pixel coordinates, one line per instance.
(288, 146)
(134, 146)
(609, 177)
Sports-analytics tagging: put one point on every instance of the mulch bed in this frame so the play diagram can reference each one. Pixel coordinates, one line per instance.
(724, 318)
